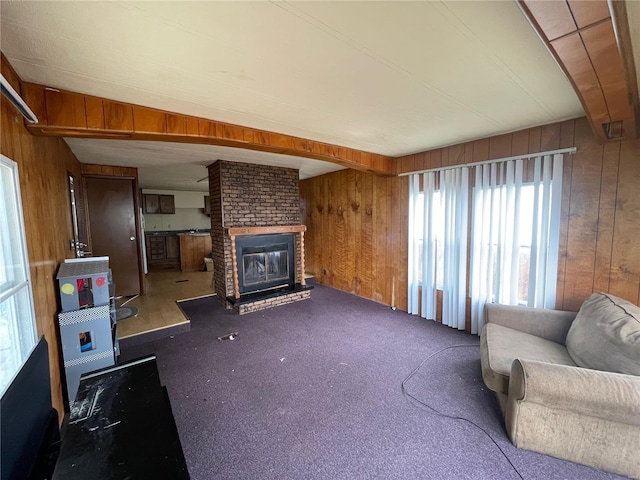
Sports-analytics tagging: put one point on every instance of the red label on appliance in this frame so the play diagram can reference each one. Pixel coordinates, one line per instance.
(100, 281)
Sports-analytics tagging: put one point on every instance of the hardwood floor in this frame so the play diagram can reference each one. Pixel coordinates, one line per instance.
(157, 309)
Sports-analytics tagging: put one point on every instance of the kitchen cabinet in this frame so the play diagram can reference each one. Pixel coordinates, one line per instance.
(207, 205)
(163, 248)
(193, 249)
(156, 248)
(151, 203)
(167, 204)
(172, 247)
(154, 203)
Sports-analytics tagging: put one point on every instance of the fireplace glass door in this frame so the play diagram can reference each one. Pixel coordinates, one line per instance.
(265, 267)
(265, 261)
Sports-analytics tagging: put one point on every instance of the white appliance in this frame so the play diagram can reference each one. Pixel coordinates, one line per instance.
(143, 240)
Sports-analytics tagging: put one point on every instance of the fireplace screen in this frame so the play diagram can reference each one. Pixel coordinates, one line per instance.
(265, 261)
(265, 267)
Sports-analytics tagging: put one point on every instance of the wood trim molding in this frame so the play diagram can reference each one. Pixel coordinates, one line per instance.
(89, 169)
(303, 281)
(235, 231)
(623, 37)
(70, 114)
(234, 262)
(593, 52)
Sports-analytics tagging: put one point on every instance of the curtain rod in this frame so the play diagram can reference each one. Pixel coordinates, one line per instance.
(570, 150)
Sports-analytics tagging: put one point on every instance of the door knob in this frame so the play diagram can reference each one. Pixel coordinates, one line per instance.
(132, 238)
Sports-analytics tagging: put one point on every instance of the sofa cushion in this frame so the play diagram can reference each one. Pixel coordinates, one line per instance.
(501, 345)
(606, 335)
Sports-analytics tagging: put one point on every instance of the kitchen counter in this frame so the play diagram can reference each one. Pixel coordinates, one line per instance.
(176, 232)
(185, 246)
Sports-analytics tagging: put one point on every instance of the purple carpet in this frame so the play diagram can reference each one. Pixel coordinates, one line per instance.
(313, 390)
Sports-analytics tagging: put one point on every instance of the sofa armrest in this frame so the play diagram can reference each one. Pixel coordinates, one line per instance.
(610, 396)
(548, 324)
(586, 416)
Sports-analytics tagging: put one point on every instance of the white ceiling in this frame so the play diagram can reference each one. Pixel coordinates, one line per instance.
(388, 77)
(182, 166)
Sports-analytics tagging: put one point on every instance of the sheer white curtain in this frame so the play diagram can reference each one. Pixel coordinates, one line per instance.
(422, 241)
(449, 204)
(515, 235)
(413, 280)
(454, 187)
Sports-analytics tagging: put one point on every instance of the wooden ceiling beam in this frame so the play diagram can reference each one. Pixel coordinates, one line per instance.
(69, 114)
(591, 43)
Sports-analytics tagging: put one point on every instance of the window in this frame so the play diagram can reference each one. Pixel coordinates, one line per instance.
(514, 215)
(515, 234)
(17, 326)
(523, 244)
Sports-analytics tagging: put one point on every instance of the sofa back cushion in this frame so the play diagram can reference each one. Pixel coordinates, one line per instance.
(606, 335)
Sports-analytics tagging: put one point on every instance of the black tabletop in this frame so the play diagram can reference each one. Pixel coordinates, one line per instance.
(121, 427)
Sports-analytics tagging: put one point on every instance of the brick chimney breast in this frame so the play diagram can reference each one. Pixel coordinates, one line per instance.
(248, 195)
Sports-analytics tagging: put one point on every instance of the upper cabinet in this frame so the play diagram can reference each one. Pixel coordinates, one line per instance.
(207, 205)
(154, 203)
(151, 203)
(167, 204)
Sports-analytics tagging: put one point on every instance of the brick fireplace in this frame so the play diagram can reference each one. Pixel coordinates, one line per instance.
(257, 238)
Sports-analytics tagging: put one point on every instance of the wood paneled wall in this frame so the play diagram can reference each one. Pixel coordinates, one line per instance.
(356, 237)
(43, 163)
(600, 249)
(357, 222)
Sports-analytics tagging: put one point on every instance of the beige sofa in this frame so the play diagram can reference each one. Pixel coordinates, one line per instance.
(569, 383)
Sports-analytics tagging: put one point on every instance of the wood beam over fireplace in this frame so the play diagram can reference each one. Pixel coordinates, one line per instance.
(68, 114)
(234, 231)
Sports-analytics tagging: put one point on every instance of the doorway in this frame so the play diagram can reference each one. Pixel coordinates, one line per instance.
(113, 228)
(80, 237)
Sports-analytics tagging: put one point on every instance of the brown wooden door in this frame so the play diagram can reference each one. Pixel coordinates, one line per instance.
(112, 226)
